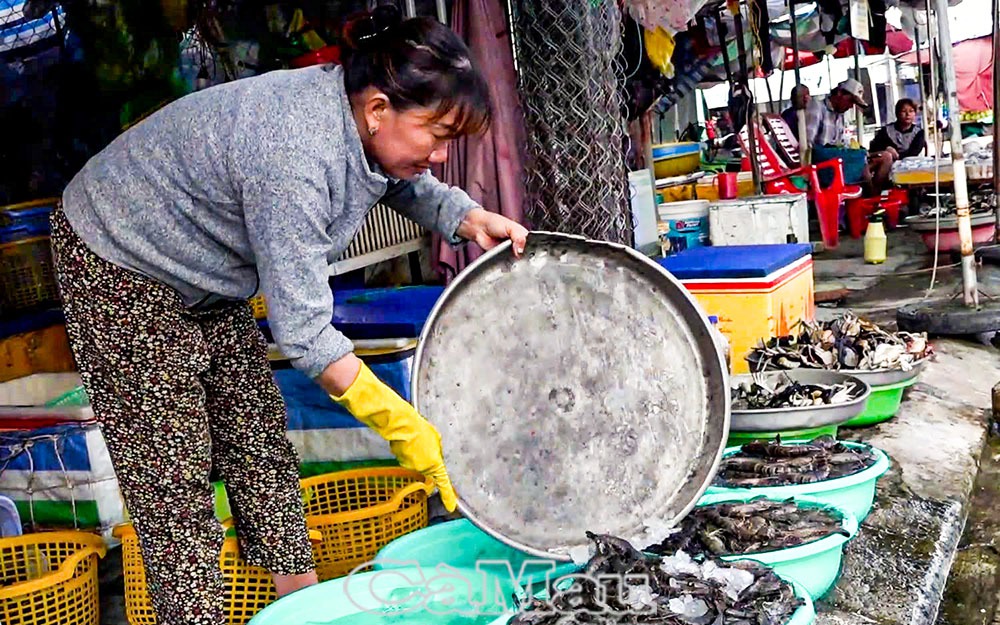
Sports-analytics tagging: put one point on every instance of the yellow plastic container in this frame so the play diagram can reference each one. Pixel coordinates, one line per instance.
(50, 578)
(259, 307)
(360, 511)
(875, 243)
(351, 515)
(751, 310)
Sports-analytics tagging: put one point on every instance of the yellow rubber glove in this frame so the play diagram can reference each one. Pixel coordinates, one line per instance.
(412, 439)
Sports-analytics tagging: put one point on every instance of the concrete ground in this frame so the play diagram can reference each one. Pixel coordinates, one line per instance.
(934, 510)
(897, 570)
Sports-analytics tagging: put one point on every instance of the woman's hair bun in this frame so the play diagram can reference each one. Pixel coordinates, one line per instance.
(367, 31)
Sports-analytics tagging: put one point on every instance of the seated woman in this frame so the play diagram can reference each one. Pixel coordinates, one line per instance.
(899, 139)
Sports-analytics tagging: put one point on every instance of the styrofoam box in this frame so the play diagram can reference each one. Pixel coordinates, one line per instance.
(27, 396)
(759, 220)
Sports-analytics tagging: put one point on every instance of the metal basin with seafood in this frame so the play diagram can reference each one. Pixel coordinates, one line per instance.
(853, 492)
(673, 590)
(847, 344)
(789, 401)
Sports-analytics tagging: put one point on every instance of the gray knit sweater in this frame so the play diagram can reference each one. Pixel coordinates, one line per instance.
(256, 183)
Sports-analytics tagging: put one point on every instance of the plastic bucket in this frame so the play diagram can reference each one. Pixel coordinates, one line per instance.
(683, 225)
(815, 564)
(463, 545)
(882, 405)
(404, 596)
(741, 438)
(853, 493)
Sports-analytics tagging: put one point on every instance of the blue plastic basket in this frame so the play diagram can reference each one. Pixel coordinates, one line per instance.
(32, 214)
(854, 163)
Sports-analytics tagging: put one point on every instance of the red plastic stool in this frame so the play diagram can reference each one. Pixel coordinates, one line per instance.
(858, 211)
(899, 195)
(891, 208)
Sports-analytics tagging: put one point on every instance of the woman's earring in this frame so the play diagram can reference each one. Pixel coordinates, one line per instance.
(372, 130)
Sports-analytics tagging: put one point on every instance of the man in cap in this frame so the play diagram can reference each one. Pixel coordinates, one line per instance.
(825, 123)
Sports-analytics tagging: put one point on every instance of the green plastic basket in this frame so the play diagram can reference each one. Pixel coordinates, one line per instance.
(854, 493)
(404, 596)
(815, 565)
(463, 545)
(883, 404)
(741, 438)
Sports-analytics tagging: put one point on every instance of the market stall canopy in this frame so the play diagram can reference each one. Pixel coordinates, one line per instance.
(973, 71)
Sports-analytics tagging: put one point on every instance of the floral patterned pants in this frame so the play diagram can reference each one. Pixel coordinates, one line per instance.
(178, 392)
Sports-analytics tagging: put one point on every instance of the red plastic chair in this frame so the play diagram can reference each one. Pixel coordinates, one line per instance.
(776, 178)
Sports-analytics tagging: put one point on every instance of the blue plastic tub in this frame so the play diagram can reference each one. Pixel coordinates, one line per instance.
(463, 545)
(816, 565)
(853, 493)
(10, 520)
(404, 596)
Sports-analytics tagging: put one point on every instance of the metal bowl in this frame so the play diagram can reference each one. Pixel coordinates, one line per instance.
(576, 389)
(781, 419)
(874, 377)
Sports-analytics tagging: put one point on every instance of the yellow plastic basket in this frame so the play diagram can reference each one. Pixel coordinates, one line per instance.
(351, 515)
(249, 589)
(50, 578)
(360, 511)
(259, 307)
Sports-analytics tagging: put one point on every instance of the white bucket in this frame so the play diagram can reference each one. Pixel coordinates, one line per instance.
(683, 225)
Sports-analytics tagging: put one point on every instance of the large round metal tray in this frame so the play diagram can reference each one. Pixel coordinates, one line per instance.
(781, 419)
(873, 378)
(576, 389)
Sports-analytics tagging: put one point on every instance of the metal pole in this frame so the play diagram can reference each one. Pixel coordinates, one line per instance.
(752, 112)
(996, 103)
(859, 115)
(920, 83)
(442, 11)
(805, 153)
(970, 291)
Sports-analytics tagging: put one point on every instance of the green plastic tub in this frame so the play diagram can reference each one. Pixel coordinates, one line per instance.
(741, 438)
(463, 545)
(883, 404)
(404, 596)
(853, 493)
(815, 565)
(804, 615)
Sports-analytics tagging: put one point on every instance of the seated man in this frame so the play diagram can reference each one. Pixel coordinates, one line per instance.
(825, 120)
(800, 101)
(826, 129)
(900, 139)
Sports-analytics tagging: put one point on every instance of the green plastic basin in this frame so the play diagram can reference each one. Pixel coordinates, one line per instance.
(404, 596)
(804, 615)
(463, 545)
(815, 565)
(741, 438)
(882, 405)
(854, 493)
